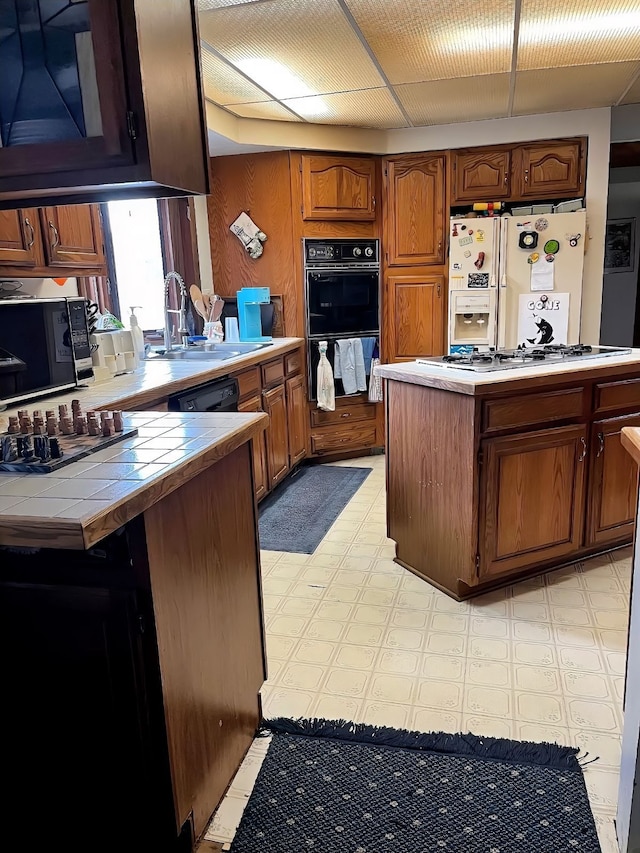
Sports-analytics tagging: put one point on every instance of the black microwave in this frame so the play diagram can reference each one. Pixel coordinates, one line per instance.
(44, 347)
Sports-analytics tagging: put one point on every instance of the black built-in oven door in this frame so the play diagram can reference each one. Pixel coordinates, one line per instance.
(343, 302)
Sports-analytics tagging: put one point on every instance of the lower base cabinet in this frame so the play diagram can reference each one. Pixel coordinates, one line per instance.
(297, 417)
(259, 450)
(274, 403)
(613, 483)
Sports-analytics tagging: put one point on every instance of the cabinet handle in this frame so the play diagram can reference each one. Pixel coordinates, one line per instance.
(584, 449)
(32, 240)
(526, 176)
(600, 444)
(506, 178)
(438, 290)
(56, 235)
(345, 415)
(373, 202)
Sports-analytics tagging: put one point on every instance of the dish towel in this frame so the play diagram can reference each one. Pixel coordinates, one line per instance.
(375, 382)
(348, 365)
(326, 386)
(368, 345)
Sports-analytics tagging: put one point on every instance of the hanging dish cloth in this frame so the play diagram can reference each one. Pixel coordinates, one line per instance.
(375, 382)
(349, 365)
(326, 387)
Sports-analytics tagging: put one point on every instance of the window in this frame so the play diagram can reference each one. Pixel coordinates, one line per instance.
(137, 258)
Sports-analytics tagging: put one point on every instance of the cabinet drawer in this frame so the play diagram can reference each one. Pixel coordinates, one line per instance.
(272, 373)
(354, 438)
(293, 363)
(367, 412)
(249, 382)
(617, 395)
(531, 409)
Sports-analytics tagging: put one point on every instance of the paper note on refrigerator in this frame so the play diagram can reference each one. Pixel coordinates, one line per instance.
(542, 276)
(543, 319)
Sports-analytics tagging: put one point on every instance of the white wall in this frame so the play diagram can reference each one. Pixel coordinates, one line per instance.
(47, 288)
(620, 290)
(595, 124)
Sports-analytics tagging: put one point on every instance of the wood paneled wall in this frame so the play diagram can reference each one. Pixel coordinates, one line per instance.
(260, 185)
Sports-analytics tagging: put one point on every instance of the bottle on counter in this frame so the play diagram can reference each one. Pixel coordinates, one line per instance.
(136, 334)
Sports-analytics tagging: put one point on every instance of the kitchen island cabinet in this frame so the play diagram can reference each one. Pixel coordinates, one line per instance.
(133, 648)
(496, 476)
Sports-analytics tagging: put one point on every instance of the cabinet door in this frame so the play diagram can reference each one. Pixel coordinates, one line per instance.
(480, 175)
(415, 210)
(338, 188)
(73, 236)
(259, 450)
(550, 169)
(532, 498)
(275, 405)
(613, 483)
(414, 310)
(297, 415)
(18, 238)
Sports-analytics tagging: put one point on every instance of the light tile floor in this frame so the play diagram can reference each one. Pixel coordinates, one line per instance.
(352, 634)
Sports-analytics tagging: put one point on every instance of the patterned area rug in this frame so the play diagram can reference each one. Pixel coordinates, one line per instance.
(339, 787)
(297, 516)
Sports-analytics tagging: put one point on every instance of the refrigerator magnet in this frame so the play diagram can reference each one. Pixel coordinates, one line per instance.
(466, 241)
(467, 253)
(574, 239)
(533, 258)
(528, 240)
(551, 247)
(480, 236)
(454, 233)
(541, 224)
(549, 258)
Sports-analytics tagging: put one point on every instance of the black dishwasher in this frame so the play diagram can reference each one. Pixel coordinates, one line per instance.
(219, 396)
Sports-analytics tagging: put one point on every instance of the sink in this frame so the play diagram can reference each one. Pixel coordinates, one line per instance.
(221, 352)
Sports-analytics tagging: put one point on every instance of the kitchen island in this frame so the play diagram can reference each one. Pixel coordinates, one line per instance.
(132, 636)
(492, 477)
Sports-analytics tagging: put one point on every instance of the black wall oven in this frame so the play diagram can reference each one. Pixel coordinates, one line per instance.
(342, 290)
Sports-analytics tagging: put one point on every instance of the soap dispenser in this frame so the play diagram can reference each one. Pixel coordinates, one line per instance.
(136, 334)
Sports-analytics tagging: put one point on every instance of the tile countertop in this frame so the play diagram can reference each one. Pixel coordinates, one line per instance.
(78, 505)
(471, 382)
(154, 380)
(631, 442)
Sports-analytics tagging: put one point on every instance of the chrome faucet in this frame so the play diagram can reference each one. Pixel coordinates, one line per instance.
(182, 311)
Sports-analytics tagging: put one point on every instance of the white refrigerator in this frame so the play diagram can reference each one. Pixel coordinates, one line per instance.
(516, 280)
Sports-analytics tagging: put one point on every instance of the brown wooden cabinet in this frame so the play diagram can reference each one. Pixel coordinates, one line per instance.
(532, 496)
(550, 169)
(481, 174)
(274, 403)
(414, 209)
(414, 315)
(338, 188)
(73, 236)
(613, 483)
(254, 404)
(297, 418)
(129, 123)
(19, 238)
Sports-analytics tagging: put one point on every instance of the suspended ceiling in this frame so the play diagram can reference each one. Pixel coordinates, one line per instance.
(404, 63)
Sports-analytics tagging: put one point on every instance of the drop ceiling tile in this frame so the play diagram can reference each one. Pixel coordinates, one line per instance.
(447, 101)
(224, 85)
(292, 48)
(437, 39)
(633, 95)
(266, 109)
(578, 32)
(366, 108)
(576, 88)
(208, 5)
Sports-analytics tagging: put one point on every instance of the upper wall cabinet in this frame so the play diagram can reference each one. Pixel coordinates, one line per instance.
(19, 239)
(338, 188)
(100, 98)
(73, 236)
(414, 209)
(481, 174)
(537, 170)
(550, 169)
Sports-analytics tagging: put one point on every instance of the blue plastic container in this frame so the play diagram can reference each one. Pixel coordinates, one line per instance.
(249, 320)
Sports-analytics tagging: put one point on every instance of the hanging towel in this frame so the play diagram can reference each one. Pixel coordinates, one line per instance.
(349, 365)
(368, 345)
(375, 382)
(326, 386)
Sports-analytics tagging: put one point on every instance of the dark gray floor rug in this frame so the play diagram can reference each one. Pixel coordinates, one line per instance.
(298, 515)
(338, 787)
